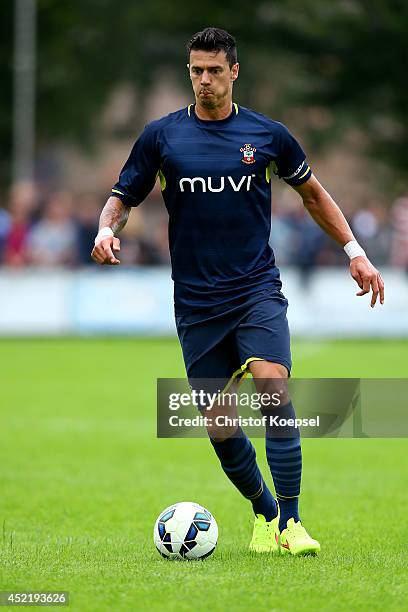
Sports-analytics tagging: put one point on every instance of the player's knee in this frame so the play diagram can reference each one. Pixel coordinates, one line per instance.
(270, 380)
(268, 370)
(220, 434)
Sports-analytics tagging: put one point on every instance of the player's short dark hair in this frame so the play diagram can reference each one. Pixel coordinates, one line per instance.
(214, 39)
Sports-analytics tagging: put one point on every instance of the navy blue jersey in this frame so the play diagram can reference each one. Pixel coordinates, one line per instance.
(215, 178)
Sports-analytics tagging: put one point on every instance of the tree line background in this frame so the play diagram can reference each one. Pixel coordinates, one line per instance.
(340, 65)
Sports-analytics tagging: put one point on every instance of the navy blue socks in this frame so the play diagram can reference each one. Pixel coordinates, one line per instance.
(284, 455)
(238, 460)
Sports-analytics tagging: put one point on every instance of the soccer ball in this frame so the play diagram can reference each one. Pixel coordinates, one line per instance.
(185, 531)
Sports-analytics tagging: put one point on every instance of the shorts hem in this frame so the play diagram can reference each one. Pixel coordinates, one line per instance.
(243, 371)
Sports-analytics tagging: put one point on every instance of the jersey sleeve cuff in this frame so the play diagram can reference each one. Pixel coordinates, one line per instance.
(125, 198)
(299, 177)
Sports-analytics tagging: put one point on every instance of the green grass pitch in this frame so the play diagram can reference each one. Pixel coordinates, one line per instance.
(82, 479)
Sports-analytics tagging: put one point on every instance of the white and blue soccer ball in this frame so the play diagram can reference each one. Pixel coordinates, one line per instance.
(185, 531)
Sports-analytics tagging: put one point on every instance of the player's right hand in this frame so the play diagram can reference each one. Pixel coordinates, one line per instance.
(104, 251)
(367, 278)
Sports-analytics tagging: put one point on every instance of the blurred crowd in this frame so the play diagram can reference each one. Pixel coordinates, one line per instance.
(58, 229)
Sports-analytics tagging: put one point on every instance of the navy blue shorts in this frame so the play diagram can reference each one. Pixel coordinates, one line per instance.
(222, 346)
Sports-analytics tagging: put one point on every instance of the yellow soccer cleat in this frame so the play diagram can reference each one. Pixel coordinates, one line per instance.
(265, 536)
(296, 541)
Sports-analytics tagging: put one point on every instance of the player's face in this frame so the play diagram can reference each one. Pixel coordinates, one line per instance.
(211, 77)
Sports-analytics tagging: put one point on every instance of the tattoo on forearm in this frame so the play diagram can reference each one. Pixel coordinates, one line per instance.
(114, 215)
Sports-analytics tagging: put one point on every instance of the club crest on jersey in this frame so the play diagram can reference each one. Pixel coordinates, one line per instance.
(248, 154)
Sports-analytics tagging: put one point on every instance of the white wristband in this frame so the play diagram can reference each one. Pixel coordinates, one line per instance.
(353, 249)
(104, 232)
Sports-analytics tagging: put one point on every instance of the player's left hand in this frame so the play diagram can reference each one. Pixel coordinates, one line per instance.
(367, 278)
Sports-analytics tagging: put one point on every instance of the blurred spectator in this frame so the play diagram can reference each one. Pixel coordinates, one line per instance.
(296, 239)
(15, 245)
(53, 240)
(21, 209)
(5, 222)
(372, 229)
(310, 243)
(399, 219)
(136, 245)
(283, 238)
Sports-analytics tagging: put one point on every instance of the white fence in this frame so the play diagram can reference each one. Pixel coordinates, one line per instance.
(139, 301)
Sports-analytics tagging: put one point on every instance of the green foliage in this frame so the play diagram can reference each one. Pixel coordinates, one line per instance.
(344, 59)
(352, 54)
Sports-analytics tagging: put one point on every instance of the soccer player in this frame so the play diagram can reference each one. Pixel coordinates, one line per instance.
(215, 160)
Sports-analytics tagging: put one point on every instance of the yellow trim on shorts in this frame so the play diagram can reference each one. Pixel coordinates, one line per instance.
(242, 370)
(248, 361)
